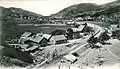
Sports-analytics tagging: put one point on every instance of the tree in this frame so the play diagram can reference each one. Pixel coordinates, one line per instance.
(104, 37)
(58, 32)
(55, 54)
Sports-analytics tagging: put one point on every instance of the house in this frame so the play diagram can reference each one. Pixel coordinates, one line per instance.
(74, 33)
(82, 27)
(24, 36)
(47, 36)
(27, 48)
(79, 18)
(113, 27)
(36, 40)
(116, 33)
(58, 39)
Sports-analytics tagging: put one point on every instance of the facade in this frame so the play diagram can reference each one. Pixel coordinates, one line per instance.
(58, 39)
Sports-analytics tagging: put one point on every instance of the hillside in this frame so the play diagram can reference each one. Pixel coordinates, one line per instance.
(75, 10)
(106, 12)
(20, 15)
(10, 17)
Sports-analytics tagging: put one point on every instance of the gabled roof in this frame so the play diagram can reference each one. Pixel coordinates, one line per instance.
(36, 38)
(47, 36)
(75, 30)
(116, 29)
(81, 27)
(26, 34)
(58, 37)
(113, 26)
(70, 57)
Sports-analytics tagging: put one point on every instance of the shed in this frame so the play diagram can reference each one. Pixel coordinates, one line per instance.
(58, 39)
(70, 58)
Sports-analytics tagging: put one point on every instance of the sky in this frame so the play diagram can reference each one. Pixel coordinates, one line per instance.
(46, 7)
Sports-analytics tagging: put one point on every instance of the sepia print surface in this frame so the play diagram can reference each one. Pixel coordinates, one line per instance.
(59, 34)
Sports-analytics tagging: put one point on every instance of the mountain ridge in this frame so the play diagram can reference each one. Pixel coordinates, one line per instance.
(92, 8)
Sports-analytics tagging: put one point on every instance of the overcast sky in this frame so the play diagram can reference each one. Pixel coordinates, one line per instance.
(46, 7)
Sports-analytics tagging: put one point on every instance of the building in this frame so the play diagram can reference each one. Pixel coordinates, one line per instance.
(113, 27)
(47, 36)
(116, 33)
(70, 58)
(58, 39)
(36, 40)
(74, 33)
(24, 36)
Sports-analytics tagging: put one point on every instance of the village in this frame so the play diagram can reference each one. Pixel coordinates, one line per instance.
(41, 48)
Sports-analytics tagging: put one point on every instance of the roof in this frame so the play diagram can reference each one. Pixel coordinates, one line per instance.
(70, 57)
(26, 34)
(24, 46)
(31, 48)
(40, 34)
(113, 26)
(58, 37)
(36, 38)
(81, 27)
(47, 36)
(75, 30)
(116, 29)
